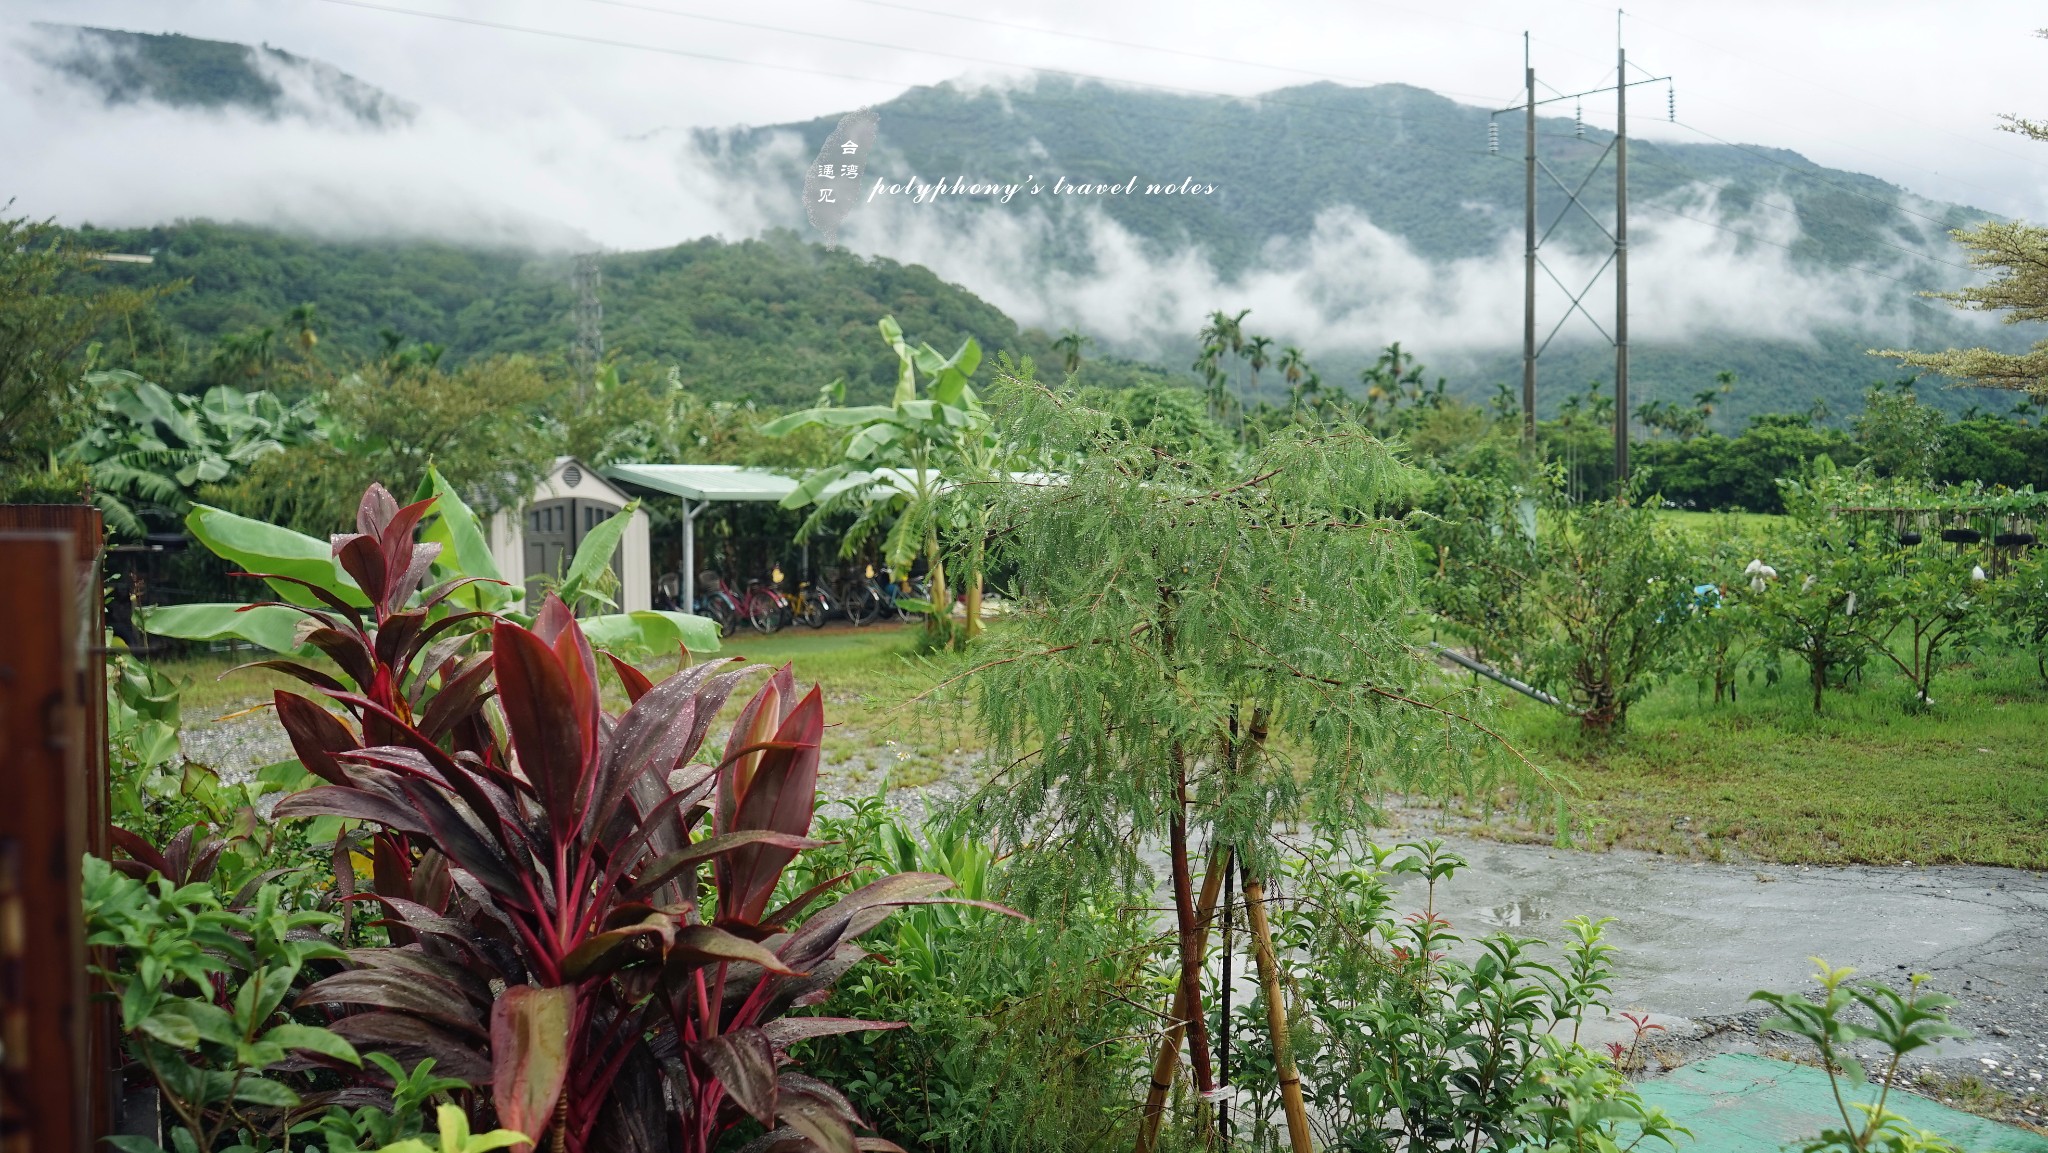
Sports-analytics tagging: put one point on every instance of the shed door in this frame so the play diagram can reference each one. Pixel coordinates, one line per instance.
(554, 529)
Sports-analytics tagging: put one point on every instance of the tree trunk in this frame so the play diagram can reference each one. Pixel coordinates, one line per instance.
(941, 616)
(1820, 680)
(973, 590)
(1192, 934)
(1291, 1103)
(1167, 1059)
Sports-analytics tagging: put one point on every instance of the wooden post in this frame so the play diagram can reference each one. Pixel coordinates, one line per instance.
(1276, 1018)
(1167, 1059)
(53, 1094)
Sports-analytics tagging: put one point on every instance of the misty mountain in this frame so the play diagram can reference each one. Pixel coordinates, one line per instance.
(213, 75)
(1343, 218)
(1348, 217)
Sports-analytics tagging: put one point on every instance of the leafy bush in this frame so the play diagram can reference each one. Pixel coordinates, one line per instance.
(1405, 1046)
(1020, 1036)
(202, 992)
(1591, 600)
(1899, 1023)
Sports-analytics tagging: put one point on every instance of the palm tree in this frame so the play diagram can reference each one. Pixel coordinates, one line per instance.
(1255, 354)
(1069, 345)
(1293, 369)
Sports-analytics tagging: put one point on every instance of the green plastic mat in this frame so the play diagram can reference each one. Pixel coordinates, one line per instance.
(1738, 1103)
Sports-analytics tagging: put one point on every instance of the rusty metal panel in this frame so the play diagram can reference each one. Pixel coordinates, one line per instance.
(48, 1078)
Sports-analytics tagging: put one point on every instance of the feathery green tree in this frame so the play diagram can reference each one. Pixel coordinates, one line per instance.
(1203, 644)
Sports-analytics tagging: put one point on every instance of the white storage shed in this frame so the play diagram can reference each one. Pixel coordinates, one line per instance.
(543, 537)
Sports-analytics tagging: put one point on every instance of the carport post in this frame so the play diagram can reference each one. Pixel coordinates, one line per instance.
(689, 573)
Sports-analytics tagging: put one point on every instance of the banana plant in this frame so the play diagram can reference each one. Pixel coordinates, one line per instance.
(150, 449)
(305, 573)
(915, 449)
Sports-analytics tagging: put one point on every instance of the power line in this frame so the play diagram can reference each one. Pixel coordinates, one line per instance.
(1761, 155)
(608, 43)
(1142, 47)
(730, 22)
(1986, 145)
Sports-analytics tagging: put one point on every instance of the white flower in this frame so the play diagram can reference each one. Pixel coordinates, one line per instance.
(1850, 609)
(1756, 566)
(1977, 573)
(1808, 584)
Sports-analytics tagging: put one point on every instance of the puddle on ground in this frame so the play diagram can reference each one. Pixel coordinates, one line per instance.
(1513, 915)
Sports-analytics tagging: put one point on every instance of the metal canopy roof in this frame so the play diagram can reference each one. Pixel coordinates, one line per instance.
(721, 482)
(736, 482)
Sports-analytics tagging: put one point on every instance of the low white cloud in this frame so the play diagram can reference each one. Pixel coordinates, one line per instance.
(1351, 286)
(562, 181)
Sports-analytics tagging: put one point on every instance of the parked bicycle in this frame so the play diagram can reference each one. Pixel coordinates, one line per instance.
(765, 607)
(864, 599)
(719, 601)
(812, 603)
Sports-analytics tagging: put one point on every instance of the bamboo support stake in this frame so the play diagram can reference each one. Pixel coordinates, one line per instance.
(1167, 1059)
(1276, 1018)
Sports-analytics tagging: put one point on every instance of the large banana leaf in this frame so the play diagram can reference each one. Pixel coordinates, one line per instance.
(265, 548)
(651, 630)
(274, 627)
(465, 548)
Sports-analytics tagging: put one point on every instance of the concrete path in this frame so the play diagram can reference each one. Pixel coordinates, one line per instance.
(1696, 938)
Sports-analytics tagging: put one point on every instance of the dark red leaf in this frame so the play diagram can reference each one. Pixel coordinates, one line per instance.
(461, 694)
(781, 797)
(635, 681)
(530, 1056)
(744, 1064)
(534, 691)
(466, 847)
(311, 676)
(759, 718)
(354, 804)
(363, 558)
(401, 992)
(144, 853)
(403, 1036)
(375, 510)
(316, 736)
(661, 870)
(349, 650)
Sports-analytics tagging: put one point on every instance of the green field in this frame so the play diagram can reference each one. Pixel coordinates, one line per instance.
(1872, 779)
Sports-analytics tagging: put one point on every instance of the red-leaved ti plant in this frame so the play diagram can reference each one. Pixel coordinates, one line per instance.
(552, 934)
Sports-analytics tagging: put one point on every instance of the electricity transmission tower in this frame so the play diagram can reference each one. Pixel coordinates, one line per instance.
(588, 315)
(1532, 259)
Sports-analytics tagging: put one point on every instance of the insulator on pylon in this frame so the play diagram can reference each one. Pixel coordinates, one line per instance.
(1579, 119)
(1671, 103)
(1492, 138)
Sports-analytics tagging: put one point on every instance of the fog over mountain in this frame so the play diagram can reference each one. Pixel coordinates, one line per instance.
(1343, 217)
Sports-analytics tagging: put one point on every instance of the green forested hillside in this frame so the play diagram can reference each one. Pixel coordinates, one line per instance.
(769, 319)
(187, 72)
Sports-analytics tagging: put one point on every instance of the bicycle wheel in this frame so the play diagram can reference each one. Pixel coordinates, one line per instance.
(727, 613)
(815, 607)
(764, 614)
(865, 607)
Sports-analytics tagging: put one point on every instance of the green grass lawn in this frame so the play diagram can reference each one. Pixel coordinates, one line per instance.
(1872, 779)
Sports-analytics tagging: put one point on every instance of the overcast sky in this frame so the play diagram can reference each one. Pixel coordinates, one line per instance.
(1906, 90)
